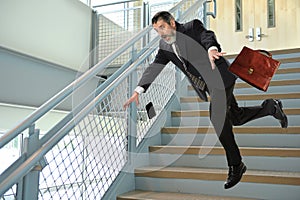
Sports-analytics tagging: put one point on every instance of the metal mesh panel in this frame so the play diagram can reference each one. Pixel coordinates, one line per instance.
(115, 28)
(158, 93)
(10, 153)
(11, 194)
(85, 162)
(156, 7)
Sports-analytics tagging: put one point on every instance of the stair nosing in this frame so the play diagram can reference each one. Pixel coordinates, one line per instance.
(286, 82)
(153, 195)
(205, 113)
(292, 95)
(237, 130)
(254, 176)
(213, 150)
(273, 52)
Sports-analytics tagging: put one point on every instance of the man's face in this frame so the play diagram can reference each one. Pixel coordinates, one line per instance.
(166, 31)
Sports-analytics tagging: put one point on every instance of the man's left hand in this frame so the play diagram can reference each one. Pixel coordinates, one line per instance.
(213, 55)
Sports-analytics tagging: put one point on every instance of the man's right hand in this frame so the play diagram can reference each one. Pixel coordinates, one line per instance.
(133, 98)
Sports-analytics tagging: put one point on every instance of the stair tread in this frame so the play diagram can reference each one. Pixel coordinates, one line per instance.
(192, 113)
(237, 130)
(287, 82)
(288, 71)
(213, 150)
(255, 176)
(146, 169)
(272, 83)
(273, 52)
(150, 195)
(292, 95)
(289, 60)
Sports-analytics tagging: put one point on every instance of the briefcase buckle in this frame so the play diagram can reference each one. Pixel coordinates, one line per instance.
(250, 71)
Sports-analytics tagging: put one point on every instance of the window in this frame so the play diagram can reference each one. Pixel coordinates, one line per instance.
(238, 15)
(271, 13)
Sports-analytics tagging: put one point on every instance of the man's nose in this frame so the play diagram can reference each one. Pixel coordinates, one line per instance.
(160, 33)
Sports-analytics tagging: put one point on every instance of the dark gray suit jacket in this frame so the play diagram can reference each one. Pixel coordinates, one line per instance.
(193, 41)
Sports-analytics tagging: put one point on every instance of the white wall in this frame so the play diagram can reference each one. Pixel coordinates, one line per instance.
(12, 115)
(54, 30)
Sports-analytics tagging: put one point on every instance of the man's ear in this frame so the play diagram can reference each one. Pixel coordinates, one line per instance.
(172, 23)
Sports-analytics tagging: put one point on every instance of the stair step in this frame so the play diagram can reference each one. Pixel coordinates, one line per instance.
(251, 176)
(212, 150)
(289, 60)
(295, 95)
(288, 71)
(273, 52)
(273, 83)
(237, 130)
(150, 195)
(205, 113)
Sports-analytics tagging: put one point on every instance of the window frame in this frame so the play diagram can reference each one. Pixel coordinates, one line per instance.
(238, 15)
(271, 17)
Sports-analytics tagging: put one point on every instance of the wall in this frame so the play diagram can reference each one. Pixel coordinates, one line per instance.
(254, 15)
(30, 82)
(42, 47)
(54, 30)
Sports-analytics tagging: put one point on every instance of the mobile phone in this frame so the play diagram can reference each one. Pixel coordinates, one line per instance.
(150, 110)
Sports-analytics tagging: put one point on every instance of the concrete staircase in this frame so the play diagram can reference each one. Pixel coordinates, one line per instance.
(190, 163)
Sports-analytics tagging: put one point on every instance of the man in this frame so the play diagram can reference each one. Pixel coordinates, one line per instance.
(195, 51)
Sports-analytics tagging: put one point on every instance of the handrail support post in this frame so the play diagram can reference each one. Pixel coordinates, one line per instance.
(206, 13)
(28, 188)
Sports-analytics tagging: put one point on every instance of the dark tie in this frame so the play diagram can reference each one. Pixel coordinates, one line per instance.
(200, 84)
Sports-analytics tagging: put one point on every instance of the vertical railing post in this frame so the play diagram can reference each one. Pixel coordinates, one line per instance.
(132, 119)
(178, 81)
(94, 39)
(31, 180)
(206, 13)
(178, 14)
(146, 14)
(146, 22)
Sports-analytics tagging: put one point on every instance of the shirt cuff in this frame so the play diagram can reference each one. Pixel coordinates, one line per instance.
(139, 89)
(212, 48)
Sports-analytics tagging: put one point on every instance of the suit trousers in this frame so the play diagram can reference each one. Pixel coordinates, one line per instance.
(225, 113)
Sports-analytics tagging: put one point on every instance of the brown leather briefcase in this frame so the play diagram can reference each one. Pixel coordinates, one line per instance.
(256, 67)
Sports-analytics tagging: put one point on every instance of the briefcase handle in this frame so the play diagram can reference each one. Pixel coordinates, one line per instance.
(265, 52)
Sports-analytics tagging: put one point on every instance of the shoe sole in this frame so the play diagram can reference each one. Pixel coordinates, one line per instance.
(284, 115)
(243, 171)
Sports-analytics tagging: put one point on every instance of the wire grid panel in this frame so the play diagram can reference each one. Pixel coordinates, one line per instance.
(9, 154)
(115, 28)
(84, 163)
(156, 7)
(159, 93)
(194, 12)
(11, 194)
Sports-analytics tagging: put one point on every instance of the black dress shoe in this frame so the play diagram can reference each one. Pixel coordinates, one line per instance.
(279, 114)
(234, 175)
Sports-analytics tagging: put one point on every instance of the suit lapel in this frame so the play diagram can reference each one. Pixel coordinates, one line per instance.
(181, 41)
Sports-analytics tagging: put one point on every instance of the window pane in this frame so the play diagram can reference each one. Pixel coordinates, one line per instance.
(271, 13)
(238, 15)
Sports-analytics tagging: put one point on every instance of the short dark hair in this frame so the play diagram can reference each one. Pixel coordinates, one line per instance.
(164, 15)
